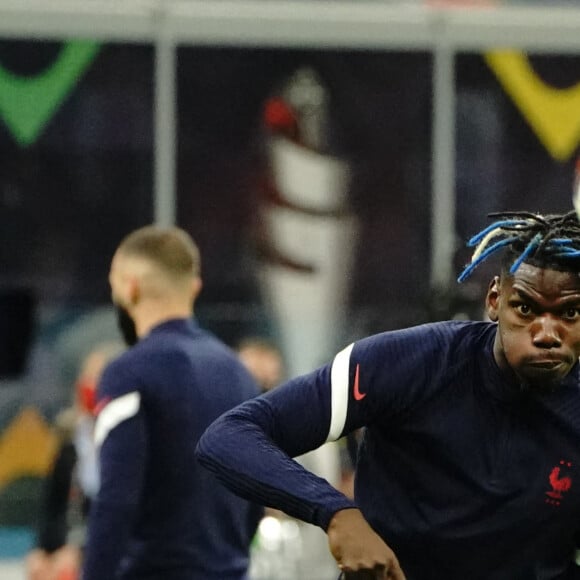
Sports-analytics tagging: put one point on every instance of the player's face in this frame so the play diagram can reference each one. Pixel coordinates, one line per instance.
(538, 315)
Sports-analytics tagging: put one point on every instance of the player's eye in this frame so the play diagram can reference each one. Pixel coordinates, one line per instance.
(571, 314)
(523, 308)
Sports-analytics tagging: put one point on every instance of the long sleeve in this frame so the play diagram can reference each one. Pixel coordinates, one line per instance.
(250, 449)
(122, 462)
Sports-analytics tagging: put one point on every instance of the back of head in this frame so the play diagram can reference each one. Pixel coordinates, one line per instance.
(171, 250)
(547, 242)
(154, 277)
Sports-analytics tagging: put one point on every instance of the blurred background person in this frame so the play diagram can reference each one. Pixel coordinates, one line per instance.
(263, 358)
(158, 514)
(73, 480)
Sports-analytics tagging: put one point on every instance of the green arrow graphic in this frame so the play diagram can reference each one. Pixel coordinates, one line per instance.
(28, 104)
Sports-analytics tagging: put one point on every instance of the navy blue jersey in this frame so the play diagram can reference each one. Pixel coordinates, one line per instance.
(158, 513)
(463, 473)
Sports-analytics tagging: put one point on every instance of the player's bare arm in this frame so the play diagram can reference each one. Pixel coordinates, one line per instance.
(357, 548)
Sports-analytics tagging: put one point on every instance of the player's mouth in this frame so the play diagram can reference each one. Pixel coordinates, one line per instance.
(548, 365)
(549, 369)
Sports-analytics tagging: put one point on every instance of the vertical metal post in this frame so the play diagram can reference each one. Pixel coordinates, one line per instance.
(165, 148)
(443, 168)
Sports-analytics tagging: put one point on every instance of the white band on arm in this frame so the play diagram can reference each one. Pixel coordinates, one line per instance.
(339, 383)
(114, 413)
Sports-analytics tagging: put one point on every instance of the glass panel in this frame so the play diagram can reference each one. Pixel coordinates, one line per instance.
(281, 153)
(78, 179)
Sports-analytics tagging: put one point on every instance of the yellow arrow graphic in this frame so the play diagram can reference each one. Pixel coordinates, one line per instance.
(553, 114)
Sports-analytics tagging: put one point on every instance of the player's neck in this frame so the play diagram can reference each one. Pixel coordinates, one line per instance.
(155, 313)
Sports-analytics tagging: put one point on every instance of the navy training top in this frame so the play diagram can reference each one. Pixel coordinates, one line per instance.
(158, 513)
(460, 471)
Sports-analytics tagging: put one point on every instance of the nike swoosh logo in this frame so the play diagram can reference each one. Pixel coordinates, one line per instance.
(357, 394)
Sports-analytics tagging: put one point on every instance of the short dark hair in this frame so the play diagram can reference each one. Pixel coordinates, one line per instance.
(546, 241)
(172, 249)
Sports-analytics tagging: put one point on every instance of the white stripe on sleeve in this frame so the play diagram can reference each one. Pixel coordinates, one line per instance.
(114, 413)
(339, 384)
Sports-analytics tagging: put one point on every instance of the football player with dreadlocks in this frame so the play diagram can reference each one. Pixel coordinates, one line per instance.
(470, 462)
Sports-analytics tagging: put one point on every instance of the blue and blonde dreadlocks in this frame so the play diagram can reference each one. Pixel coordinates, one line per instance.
(551, 241)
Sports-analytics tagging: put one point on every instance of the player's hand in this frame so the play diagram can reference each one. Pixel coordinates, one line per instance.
(359, 551)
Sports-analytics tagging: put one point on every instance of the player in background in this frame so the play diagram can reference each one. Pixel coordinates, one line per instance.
(158, 514)
(470, 464)
(263, 359)
(73, 480)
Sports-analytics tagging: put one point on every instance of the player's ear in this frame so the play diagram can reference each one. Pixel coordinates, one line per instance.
(196, 287)
(492, 299)
(133, 290)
